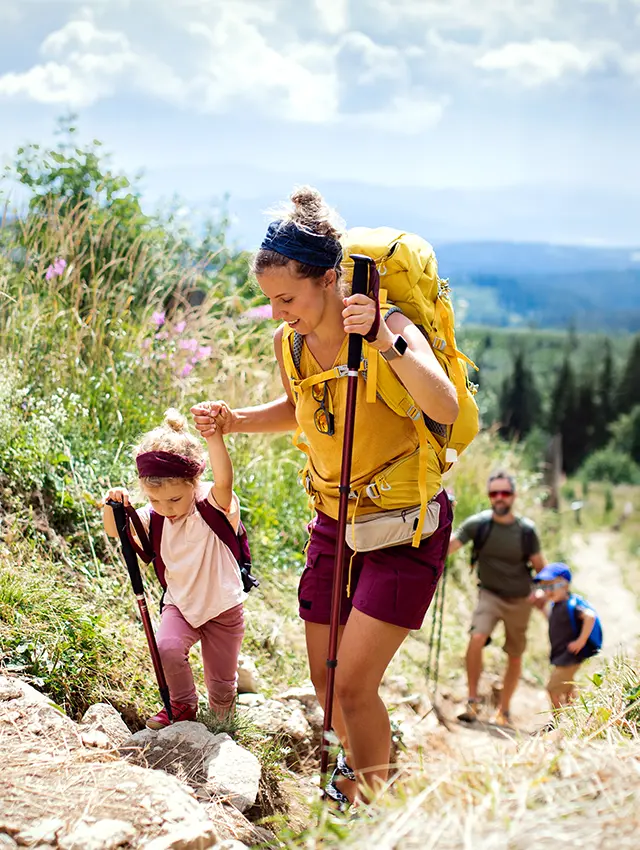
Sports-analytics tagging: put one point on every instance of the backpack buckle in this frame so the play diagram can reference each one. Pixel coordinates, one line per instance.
(439, 343)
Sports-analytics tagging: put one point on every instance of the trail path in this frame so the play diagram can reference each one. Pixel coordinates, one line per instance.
(599, 579)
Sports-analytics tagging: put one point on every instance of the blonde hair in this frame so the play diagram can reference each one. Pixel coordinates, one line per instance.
(172, 436)
(309, 211)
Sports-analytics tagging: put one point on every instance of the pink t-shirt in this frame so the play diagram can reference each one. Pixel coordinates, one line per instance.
(203, 579)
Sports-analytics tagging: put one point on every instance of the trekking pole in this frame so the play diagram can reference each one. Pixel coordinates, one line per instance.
(360, 286)
(133, 568)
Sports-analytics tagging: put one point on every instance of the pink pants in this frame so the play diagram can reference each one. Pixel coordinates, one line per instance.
(220, 640)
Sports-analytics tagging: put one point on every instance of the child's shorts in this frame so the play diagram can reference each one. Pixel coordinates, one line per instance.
(562, 678)
(394, 585)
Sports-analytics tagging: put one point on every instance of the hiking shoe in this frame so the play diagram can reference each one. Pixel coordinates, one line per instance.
(333, 793)
(472, 711)
(501, 718)
(180, 711)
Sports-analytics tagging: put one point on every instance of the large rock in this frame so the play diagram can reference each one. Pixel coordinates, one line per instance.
(286, 719)
(106, 834)
(199, 837)
(248, 682)
(35, 714)
(103, 718)
(213, 765)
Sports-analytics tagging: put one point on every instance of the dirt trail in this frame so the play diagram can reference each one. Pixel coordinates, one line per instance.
(599, 579)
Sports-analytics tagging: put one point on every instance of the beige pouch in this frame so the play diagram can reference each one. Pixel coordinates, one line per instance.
(390, 528)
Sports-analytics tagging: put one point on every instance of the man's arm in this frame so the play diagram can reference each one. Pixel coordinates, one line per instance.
(538, 561)
(454, 545)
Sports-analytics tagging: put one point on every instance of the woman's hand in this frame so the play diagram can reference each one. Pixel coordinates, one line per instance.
(359, 314)
(211, 417)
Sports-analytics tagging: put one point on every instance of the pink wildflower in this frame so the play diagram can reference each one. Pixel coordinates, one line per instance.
(56, 268)
(180, 326)
(158, 318)
(187, 368)
(188, 344)
(203, 352)
(263, 311)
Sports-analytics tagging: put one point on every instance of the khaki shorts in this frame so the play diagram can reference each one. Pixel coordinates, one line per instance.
(562, 678)
(514, 613)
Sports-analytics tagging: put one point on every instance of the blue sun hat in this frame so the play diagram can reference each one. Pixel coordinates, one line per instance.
(553, 571)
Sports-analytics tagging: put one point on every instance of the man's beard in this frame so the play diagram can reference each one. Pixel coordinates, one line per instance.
(501, 509)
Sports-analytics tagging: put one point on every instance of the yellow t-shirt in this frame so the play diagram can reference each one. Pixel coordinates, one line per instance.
(381, 437)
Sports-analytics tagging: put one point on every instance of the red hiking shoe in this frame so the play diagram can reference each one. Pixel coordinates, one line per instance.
(180, 711)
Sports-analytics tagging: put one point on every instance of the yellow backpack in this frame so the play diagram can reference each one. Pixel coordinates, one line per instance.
(408, 281)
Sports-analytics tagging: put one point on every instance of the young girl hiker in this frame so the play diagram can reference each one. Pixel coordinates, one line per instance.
(298, 267)
(203, 599)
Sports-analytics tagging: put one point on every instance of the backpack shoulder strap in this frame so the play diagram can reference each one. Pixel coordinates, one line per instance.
(571, 608)
(220, 525)
(481, 536)
(527, 537)
(156, 524)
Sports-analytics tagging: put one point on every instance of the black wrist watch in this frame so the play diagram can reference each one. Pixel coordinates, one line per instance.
(398, 348)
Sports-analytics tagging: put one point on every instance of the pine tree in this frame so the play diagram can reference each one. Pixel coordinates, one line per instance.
(605, 412)
(629, 386)
(563, 415)
(519, 403)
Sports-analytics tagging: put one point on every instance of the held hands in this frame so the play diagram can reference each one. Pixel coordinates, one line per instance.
(212, 417)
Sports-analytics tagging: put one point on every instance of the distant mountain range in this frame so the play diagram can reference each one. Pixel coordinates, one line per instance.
(541, 285)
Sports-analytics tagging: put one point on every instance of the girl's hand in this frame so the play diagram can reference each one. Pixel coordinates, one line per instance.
(212, 416)
(117, 494)
(575, 646)
(359, 315)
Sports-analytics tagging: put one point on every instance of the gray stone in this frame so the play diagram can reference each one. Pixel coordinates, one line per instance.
(101, 835)
(199, 837)
(233, 773)
(37, 715)
(213, 764)
(251, 699)
(231, 844)
(9, 689)
(7, 842)
(41, 832)
(103, 717)
(248, 682)
(305, 694)
(95, 738)
(281, 718)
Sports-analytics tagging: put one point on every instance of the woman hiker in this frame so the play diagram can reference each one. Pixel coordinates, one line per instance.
(298, 268)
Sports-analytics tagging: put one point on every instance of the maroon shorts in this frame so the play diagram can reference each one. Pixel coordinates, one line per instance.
(395, 585)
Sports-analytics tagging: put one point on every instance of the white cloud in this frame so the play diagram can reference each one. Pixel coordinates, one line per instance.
(541, 61)
(333, 14)
(409, 113)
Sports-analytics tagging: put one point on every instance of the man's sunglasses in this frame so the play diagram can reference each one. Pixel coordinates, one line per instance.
(503, 494)
(323, 417)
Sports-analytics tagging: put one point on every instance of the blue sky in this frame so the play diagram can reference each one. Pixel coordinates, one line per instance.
(465, 119)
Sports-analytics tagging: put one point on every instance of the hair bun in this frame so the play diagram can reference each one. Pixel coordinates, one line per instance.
(175, 420)
(307, 196)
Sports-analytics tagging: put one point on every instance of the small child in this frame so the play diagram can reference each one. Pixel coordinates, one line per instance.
(571, 623)
(204, 595)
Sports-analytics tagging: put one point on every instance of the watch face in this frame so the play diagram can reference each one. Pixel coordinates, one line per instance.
(400, 345)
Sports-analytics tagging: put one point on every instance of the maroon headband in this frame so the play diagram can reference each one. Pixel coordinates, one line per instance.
(167, 465)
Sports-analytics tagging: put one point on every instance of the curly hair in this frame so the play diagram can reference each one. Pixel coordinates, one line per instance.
(172, 436)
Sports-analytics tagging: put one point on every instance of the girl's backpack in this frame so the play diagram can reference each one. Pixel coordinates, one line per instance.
(149, 548)
(594, 642)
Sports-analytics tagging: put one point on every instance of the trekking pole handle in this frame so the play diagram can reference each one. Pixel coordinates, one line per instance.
(130, 557)
(360, 286)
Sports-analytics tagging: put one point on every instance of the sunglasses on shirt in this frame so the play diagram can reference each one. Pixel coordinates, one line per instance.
(502, 494)
(323, 418)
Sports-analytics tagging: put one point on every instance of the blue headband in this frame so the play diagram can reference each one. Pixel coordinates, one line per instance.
(285, 238)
